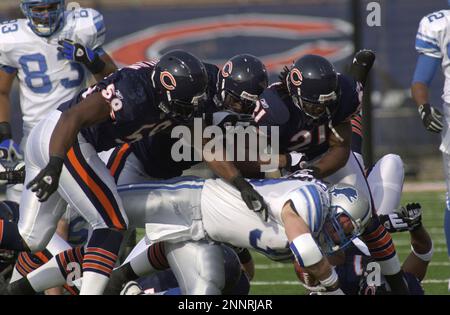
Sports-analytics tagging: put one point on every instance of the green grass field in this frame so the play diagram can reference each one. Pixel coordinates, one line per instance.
(275, 278)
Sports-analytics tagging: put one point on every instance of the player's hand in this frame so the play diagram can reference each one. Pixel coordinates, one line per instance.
(431, 118)
(413, 215)
(132, 288)
(47, 181)
(10, 151)
(11, 175)
(251, 197)
(393, 222)
(295, 161)
(406, 218)
(76, 52)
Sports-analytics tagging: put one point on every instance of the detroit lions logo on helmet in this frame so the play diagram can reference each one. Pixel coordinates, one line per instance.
(347, 192)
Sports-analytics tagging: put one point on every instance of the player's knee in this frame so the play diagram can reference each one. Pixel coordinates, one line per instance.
(211, 269)
(393, 163)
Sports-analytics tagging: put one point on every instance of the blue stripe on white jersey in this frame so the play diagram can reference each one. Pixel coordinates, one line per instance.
(317, 205)
(8, 69)
(420, 43)
(427, 38)
(308, 204)
(100, 26)
(172, 184)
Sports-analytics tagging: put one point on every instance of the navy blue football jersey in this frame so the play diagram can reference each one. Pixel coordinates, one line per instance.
(297, 131)
(354, 272)
(134, 108)
(155, 152)
(357, 133)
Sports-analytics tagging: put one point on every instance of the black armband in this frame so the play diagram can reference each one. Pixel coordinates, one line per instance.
(5, 131)
(244, 256)
(56, 162)
(97, 65)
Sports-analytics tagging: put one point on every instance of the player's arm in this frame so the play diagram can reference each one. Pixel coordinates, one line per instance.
(6, 81)
(92, 110)
(217, 162)
(337, 155)
(98, 62)
(306, 250)
(428, 44)
(426, 68)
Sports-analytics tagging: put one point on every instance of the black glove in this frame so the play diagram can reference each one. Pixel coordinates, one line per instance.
(251, 197)
(407, 218)
(5, 131)
(79, 53)
(295, 161)
(361, 65)
(47, 181)
(393, 222)
(12, 175)
(413, 215)
(431, 118)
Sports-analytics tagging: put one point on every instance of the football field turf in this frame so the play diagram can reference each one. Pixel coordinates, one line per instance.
(276, 278)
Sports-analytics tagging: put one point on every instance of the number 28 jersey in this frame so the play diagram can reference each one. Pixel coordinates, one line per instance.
(134, 109)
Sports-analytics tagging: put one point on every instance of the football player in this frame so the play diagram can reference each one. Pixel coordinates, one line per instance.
(312, 105)
(150, 158)
(358, 272)
(300, 220)
(228, 96)
(431, 44)
(51, 52)
(134, 102)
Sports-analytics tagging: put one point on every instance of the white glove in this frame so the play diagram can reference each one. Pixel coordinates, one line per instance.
(295, 161)
(131, 288)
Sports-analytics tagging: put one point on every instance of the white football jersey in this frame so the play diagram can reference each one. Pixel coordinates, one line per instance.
(227, 219)
(46, 78)
(432, 40)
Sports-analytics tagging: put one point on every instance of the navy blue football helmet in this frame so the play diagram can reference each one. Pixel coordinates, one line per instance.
(44, 16)
(181, 80)
(240, 82)
(312, 83)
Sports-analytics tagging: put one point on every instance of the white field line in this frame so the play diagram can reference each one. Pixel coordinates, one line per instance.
(428, 281)
(289, 266)
(425, 186)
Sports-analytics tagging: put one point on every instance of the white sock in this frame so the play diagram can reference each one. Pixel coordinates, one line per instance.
(140, 263)
(47, 276)
(93, 283)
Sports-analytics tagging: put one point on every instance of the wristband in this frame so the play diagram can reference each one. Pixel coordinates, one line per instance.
(331, 280)
(97, 65)
(425, 257)
(5, 130)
